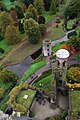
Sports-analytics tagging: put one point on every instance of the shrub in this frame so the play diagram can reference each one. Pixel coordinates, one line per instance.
(58, 20)
(2, 50)
(1, 36)
(74, 74)
(41, 19)
(71, 34)
(29, 15)
(42, 28)
(32, 114)
(12, 100)
(8, 76)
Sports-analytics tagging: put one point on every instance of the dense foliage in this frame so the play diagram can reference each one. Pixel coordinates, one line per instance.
(74, 74)
(39, 5)
(33, 11)
(31, 28)
(5, 20)
(12, 35)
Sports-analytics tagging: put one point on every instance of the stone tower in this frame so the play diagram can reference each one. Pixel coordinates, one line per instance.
(59, 73)
(47, 50)
(47, 47)
(61, 58)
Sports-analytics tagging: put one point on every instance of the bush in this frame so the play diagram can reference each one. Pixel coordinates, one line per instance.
(12, 100)
(71, 34)
(32, 114)
(74, 74)
(41, 19)
(58, 20)
(2, 51)
(42, 28)
(29, 15)
(1, 36)
(8, 76)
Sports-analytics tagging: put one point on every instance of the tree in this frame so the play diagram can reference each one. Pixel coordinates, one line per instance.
(19, 12)
(2, 6)
(28, 2)
(31, 28)
(29, 15)
(39, 5)
(33, 11)
(41, 19)
(72, 9)
(5, 20)
(13, 14)
(21, 28)
(53, 8)
(23, 7)
(47, 4)
(75, 42)
(8, 76)
(42, 28)
(12, 35)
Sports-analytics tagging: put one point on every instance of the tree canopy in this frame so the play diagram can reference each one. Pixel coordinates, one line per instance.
(31, 28)
(39, 5)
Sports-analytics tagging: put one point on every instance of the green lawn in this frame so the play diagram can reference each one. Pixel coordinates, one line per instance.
(57, 46)
(25, 102)
(33, 68)
(75, 102)
(56, 33)
(44, 83)
(3, 44)
(48, 16)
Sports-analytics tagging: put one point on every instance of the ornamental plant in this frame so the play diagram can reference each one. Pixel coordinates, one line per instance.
(74, 74)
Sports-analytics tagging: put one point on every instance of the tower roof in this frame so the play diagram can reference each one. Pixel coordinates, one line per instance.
(62, 53)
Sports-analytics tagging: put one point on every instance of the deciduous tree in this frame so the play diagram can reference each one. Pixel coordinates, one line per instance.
(12, 35)
(31, 28)
(5, 20)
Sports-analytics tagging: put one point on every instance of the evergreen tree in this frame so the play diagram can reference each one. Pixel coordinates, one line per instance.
(19, 12)
(39, 5)
(53, 8)
(47, 4)
(33, 11)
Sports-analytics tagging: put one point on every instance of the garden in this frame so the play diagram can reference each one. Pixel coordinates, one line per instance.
(23, 27)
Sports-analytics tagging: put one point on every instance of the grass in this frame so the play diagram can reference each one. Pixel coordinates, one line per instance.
(57, 46)
(75, 102)
(45, 82)
(3, 44)
(48, 16)
(56, 33)
(25, 102)
(33, 68)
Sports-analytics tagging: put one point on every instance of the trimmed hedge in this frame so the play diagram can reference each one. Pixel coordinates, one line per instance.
(12, 99)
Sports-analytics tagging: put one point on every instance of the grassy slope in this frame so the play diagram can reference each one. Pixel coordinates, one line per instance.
(57, 46)
(33, 68)
(26, 102)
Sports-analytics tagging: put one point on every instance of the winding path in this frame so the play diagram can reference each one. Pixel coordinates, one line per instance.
(20, 68)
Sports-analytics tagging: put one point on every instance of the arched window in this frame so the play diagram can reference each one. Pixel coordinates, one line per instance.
(64, 63)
